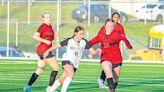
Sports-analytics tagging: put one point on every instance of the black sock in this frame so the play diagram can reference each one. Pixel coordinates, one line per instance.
(115, 85)
(103, 76)
(52, 77)
(33, 79)
(111, 83)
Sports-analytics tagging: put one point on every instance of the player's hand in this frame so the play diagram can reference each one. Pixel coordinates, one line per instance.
(45, 54)
(90, 55)
(130, 47)
(99, 50)
(48, 42)
(56, 34)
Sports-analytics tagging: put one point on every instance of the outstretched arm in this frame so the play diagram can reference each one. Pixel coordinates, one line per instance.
(127, 43)
(50, 49)
(93, 52)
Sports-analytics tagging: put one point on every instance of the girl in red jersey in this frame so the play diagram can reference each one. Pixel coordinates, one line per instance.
(111, 59)
(45, 36)
(119, 28)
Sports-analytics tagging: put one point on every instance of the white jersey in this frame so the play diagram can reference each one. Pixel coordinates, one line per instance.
(74, 50)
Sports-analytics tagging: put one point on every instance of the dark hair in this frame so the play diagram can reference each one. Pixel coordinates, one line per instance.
(109, 20)
(78, 28)
(115, 13)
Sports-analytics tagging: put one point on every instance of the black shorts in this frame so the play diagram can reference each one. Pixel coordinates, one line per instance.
(50, 55)
(114, 65)
(68, 62)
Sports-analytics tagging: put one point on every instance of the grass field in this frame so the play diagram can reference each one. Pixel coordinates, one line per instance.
(135, 77)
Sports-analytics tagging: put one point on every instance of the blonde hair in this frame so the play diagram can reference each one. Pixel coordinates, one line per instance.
(46, 12)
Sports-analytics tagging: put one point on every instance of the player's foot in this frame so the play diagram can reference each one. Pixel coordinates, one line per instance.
(101, 84)
(27, 88)
(52, 90)
(48, 88)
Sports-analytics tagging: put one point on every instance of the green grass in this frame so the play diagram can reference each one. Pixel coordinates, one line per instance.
(135, 77)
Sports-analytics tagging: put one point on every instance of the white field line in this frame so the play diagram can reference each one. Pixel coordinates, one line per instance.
(159, 85)
(131, 64)
(83, 77)
(83, 70)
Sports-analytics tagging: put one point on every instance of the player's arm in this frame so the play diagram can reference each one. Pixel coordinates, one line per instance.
(50, 49)
(95, 40)
(127, 43)
(92, 51)
(38, 38)
(62, 43)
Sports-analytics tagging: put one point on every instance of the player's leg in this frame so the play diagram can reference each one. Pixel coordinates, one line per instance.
(52, 62)
(67, 76)
(107, 67)
(68, 68)
(116, 73)
(101, 80)
(34, 76)
(58, 82)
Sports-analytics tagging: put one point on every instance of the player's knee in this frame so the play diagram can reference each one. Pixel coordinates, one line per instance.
(40, 70)
(55, 68)
(111, 83)
(71, 76)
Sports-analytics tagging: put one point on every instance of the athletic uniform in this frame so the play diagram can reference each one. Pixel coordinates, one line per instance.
(74, 51)
(110, 46)
(46, 32)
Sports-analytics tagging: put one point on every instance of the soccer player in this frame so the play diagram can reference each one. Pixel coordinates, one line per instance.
(71, 59)
(45, 36)
(111, 59)
(119, 28)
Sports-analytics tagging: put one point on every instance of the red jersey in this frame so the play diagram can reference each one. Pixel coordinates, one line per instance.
(110, 46)
(46, 32)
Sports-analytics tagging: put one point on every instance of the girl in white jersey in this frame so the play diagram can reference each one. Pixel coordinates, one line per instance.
(71, 59)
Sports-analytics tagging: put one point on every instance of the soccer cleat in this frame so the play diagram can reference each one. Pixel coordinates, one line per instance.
(52, 89)
(101, 84)
(27, 88)
(48, 88)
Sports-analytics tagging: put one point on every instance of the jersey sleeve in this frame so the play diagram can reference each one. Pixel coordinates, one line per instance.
(40, 29)
(102, 30)
(95, 40)
(87, 44)
(64, 42)
(127, 43)
(122, 30)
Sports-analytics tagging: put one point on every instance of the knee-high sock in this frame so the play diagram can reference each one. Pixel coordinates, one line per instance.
(103, 76)
(52, 77)
(115, 85)
(111, 83)
(66, 83)
(33, 79)
(55, 85)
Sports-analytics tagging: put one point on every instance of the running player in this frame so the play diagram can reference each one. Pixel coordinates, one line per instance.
(118, 27)
(45, 36)
(71, 59)
(111, 59)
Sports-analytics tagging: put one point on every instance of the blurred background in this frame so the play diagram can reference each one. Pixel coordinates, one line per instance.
(142, 20)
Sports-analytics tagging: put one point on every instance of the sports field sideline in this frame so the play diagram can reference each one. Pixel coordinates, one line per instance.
(135, 77)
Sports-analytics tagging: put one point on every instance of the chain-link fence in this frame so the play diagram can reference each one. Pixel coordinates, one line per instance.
(20, 19)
